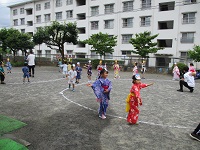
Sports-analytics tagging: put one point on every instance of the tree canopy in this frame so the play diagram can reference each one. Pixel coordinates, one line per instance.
(56, 35)
(102, 43)
(14, 40)
(195, 53)
(143, 44)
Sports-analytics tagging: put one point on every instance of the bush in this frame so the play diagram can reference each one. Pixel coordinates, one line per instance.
(17, 64)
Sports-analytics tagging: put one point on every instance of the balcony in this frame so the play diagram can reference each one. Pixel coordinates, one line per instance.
(127, 24)
(186, 2)
(187, 40)
(145, 23)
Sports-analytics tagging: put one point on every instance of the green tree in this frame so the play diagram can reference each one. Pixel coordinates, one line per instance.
(195, 53)
(3, 37)
(56, 35)
(102, 43)
(143, 44)
(25, 42)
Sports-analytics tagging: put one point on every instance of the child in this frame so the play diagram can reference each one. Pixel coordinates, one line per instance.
(65, 69)
(116, 70)
(60, 65)
(196, 133)
(102, 88)
(99, 68)
(176, 72)
(9, 66)
(69, 66)
(134, 100)
(25, 70)
(143, 70)
(135, 69)
(89, 71)
(191, 68)
(72, 77)
(2, 73)
(78, 70)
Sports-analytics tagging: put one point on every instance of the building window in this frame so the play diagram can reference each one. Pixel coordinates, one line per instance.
(166, 6)
(187, 37)
(81, 16)
(126, 38)
(109, 8)
(146, 4)
(94, 25)
(69, 2)
(69, 14)
(29, 11)
(38, 7)
(47, 17)
(29, 23)
(109, 24)
(21, 10)
(126, 53)
(128, 6)
(188, 18)
(14, 12)
(94, 54)
(58, 3)
(69, 52)
(189, 1)
(22, 21)
(80, 2)
(47, 5)
(145, 21)
(127, 23)
(165, 25)
(108, 56)
(164, 42)
(59, 16)
(81, 30)
(22, 30)
(38, 19)
(48, 53)
(184, 54)
(15, 22)
(94, 11)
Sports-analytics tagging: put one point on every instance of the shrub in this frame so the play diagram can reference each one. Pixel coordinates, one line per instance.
(17, 64)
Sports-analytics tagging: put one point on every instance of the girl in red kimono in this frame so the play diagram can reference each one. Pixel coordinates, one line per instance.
(134, 100)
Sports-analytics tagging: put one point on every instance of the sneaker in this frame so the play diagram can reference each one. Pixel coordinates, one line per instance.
(32, 75)
(195, 136)
(73, 90)
(103, 117)
(191, 90)
(100, 116)
(180, 90)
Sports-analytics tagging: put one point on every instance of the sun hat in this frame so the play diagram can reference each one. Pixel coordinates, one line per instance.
(137, 77)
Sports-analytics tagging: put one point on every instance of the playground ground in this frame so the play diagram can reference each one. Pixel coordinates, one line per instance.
(59, 119)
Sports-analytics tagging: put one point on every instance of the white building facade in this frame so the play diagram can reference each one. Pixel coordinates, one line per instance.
(176, 22)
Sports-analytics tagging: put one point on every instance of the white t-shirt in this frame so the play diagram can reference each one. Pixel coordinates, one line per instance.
(72, 74)
(31, 59)
(64, 67)
(189, 79)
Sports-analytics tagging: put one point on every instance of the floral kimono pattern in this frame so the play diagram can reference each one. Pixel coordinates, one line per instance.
(133, 103)
(99, 86)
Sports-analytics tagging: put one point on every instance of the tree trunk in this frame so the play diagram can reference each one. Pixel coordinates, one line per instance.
(62, 52)
(14, 55)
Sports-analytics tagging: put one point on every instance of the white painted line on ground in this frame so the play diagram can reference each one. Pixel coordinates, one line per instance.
(119, 117)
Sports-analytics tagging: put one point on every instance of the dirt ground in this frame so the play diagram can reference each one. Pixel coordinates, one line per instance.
(59, 119)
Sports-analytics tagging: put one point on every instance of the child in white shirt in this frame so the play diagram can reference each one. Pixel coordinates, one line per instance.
(64, 66)
(72, 77)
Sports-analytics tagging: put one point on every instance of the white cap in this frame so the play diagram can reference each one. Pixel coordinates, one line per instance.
(89, 61)
(73, 65)
(78, 63)
(137, 76)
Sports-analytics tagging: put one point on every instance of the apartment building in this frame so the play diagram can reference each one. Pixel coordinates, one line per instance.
(176, 22)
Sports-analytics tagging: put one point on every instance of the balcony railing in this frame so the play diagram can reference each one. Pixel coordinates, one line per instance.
(127, 8)
(190, 20)
(146, 5)
(189, 2)
(94, 13)
(145, 23)
(109, 10)
(187, 40)
(127, 25)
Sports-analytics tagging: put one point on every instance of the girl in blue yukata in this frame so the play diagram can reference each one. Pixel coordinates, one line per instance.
(102, 88)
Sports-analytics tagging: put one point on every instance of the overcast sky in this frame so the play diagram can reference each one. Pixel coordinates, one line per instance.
(5, 11)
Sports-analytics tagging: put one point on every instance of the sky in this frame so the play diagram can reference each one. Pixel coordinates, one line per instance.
(5, 11)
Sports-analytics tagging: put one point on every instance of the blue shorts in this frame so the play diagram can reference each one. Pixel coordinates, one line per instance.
(26, 75)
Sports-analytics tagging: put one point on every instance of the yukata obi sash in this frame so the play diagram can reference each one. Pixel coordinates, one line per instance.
(128, 100)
